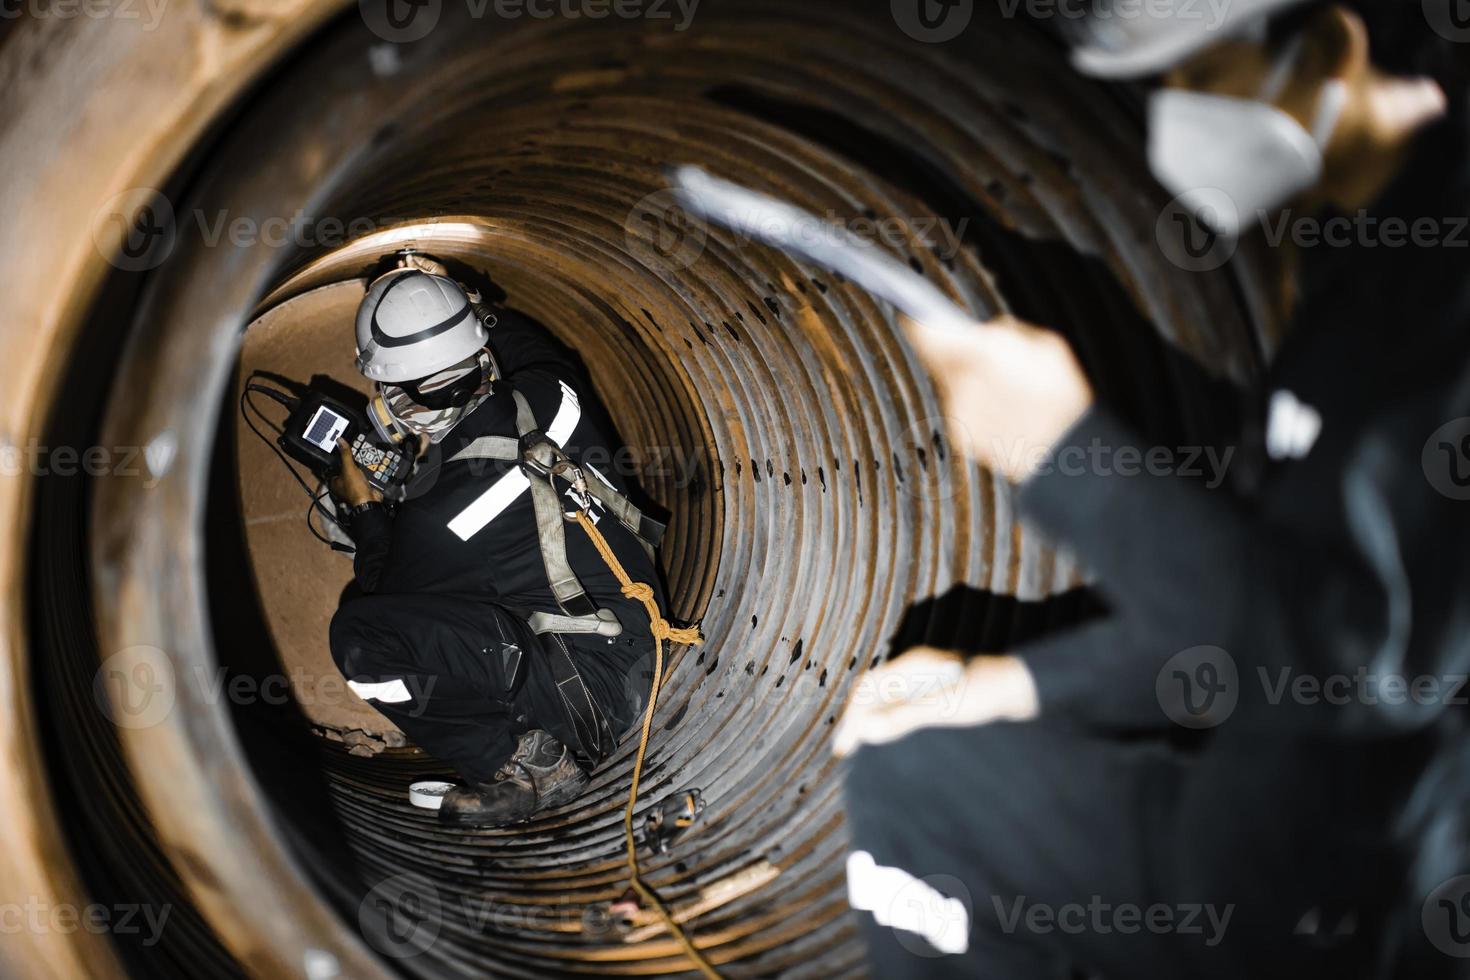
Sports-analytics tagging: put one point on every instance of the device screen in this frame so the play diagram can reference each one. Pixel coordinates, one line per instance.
(325, 428)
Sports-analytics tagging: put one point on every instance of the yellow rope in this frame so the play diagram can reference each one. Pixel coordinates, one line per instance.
(661, 631)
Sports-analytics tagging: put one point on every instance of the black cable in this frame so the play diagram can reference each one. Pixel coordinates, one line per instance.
(316, 504)
(285, 460)
(267, 390)
(246, 407)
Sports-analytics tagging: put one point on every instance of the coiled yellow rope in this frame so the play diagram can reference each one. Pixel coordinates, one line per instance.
(661, 631)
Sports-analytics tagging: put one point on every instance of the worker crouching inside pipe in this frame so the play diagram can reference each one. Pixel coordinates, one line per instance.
(480, 621)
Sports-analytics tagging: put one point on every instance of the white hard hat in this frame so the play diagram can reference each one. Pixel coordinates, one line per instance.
(412, 324)
(1131, 39)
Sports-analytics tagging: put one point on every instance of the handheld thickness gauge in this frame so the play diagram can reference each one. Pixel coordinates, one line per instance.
(317, 422)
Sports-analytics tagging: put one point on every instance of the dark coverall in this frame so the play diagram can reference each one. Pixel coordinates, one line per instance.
(1290, 811)
(446, 614)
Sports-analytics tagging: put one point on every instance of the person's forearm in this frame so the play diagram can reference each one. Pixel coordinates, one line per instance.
(371, 530)
(997, 688)
(1102, 674)
(1194, 568)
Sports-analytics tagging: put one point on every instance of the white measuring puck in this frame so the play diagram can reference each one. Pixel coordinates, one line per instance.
(428, 795)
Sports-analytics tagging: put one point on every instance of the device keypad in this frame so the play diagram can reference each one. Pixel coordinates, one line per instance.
(375, 463)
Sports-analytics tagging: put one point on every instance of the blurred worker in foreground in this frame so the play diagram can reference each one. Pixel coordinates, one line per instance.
(1310, 621)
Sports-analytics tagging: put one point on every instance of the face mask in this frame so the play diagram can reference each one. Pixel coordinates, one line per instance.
(396, 415)
(1202, 145)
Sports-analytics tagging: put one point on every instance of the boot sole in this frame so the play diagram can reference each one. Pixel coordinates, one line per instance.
(454, 819)
(561, 796)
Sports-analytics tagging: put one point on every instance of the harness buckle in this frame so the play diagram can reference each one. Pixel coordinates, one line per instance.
(545, 458)
(542, 457)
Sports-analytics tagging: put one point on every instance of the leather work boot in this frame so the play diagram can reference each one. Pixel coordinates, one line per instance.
(540, 775)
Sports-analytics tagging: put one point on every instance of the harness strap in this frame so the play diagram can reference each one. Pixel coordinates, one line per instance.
(644, 528)
(541, 454)
(604, 623)
(541, 460)
(490, 447)
(593, 732)
(525, 418)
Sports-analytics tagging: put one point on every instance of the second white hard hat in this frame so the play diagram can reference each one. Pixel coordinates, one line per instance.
(1134, 38)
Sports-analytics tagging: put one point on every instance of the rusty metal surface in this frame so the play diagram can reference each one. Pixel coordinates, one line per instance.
(822, 503)
(81, 91)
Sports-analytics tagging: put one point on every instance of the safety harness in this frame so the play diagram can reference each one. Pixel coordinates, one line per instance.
(543, 462)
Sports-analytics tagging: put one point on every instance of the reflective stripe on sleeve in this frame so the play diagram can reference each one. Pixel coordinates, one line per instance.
(506, 490)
